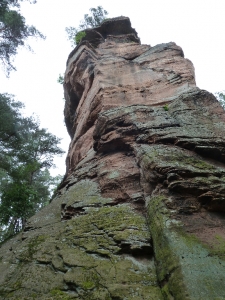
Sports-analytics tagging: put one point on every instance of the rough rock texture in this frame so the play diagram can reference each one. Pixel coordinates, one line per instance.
(140, 213)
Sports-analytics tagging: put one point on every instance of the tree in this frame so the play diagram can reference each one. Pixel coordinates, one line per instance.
(13, 32)
(221, 98)
(26, 154)
(10, 117)
(22, 195)
(96, 17)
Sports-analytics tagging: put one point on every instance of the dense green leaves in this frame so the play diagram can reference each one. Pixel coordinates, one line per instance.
(9, 113)
(16, 202)
(94, 19)
(79, 36)
(26, 154)
(13, 32)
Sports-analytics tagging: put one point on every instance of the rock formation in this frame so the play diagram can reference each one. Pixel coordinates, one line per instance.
(140, 212)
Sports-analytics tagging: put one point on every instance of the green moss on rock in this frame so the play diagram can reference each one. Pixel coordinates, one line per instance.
(184, 265)
(84, 193)
(58, 294)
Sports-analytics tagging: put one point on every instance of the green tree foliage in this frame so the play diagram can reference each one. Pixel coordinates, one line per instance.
(13, 32)
(79, 36)
(94, 19)
(10, 116)
(60, 79)
(221, 98)
(26, 154)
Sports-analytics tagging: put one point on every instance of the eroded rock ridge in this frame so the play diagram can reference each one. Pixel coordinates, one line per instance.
(140, 213)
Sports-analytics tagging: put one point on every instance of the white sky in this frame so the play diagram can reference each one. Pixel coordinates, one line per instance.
(196, 25)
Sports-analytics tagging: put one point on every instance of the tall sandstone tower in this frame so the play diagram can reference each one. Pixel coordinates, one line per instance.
(140, 212)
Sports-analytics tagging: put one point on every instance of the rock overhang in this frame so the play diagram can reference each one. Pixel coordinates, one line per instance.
(118, 29)
(115, 29)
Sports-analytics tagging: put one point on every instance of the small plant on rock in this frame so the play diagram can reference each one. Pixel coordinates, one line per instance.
(166, 108)
(79, 36)
(96, 17)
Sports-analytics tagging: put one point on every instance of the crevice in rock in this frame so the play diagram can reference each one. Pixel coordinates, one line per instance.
(68, 212)
(72, 100)
(98, 254)
(73, 287)
(145, 251)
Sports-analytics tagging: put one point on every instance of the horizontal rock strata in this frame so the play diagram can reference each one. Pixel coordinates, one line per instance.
(140, 212)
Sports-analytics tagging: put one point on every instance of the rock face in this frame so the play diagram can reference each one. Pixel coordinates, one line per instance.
(140, 213)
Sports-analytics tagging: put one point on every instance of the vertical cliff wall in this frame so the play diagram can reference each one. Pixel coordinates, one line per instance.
(140, 213)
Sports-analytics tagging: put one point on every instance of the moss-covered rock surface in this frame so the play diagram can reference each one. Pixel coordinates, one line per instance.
(104, 253)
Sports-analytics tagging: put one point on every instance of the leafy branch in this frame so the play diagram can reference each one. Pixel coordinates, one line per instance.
(94, 19)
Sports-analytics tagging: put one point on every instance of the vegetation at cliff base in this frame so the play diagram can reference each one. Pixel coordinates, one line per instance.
(26, 154)
(94, 19)
(13, 32)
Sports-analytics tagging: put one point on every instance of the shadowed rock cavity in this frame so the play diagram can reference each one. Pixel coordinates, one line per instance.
(140, 213)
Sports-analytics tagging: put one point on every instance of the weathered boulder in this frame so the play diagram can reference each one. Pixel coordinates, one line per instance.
(140, 212)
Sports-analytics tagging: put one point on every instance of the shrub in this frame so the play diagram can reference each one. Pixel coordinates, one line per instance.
(79, 36)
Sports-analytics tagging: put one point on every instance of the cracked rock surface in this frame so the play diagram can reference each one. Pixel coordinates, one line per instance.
(140, 212)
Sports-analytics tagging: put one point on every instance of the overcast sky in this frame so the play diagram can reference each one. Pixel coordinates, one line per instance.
(197, 26)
